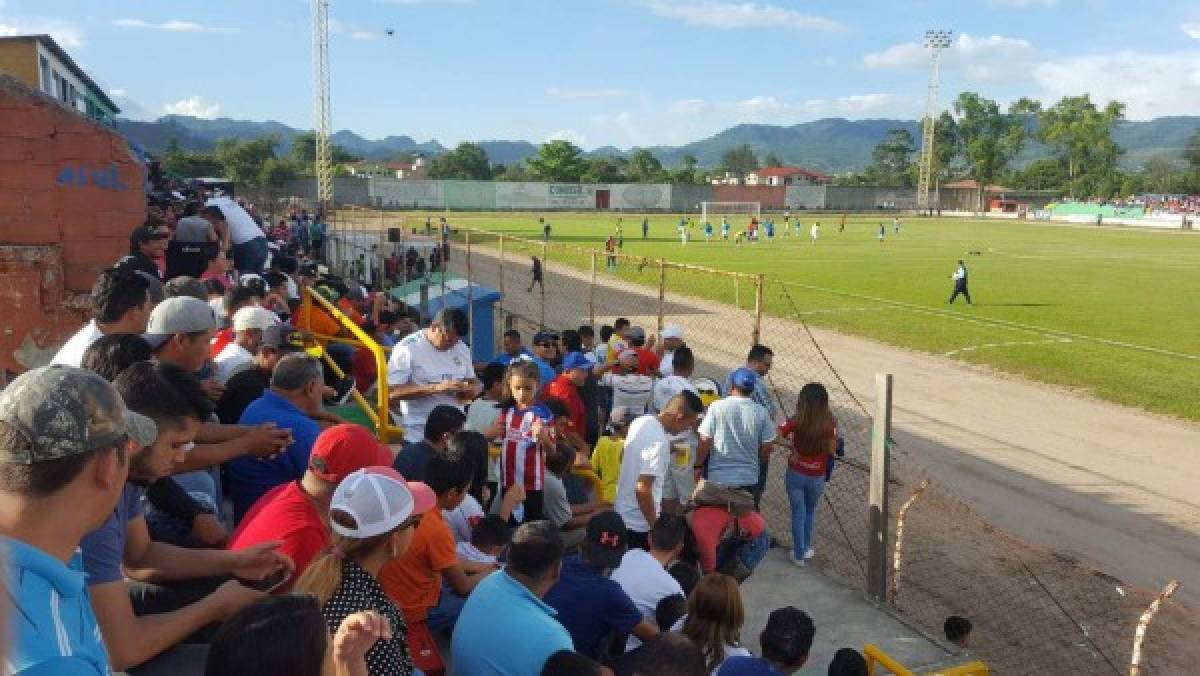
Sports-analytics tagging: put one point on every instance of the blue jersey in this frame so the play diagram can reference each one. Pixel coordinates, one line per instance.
(707, 228)
(725, 227)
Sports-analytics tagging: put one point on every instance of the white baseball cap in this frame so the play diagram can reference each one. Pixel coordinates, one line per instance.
(379, 500)
(672, 331)
(254, 317)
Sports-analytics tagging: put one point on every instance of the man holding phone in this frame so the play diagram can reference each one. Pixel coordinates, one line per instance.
(429, 368)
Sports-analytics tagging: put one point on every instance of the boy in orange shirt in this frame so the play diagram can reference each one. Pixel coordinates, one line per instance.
(415, 580)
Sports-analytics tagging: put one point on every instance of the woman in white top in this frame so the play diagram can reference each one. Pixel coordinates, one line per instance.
(714, 620)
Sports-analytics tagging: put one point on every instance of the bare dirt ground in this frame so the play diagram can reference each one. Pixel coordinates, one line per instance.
(1035, 489)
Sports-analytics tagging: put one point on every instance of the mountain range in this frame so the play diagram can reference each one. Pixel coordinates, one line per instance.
(830, 145)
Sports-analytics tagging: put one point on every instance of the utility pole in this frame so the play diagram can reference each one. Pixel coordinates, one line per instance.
(321, 123)
(935, 42)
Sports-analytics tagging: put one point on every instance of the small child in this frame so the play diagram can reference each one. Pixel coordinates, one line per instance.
(488, 539)
(670, 610)
(525, 430)
(606, 458)
(958, 630)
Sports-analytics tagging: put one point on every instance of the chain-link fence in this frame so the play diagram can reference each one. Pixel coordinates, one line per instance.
(1033, 611)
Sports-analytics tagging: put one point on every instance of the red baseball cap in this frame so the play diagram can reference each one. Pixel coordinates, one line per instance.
(344, 449)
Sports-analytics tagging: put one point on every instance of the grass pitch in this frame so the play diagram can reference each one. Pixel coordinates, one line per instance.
(1112, 311)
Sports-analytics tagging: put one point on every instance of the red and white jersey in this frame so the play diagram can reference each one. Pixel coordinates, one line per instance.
(522, 462)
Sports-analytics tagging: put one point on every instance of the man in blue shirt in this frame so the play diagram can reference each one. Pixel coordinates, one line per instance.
(759, 361)
(297, 388)
(511, 348)
(505, 628)
(592, 607)
(65, 441)
(738, 431)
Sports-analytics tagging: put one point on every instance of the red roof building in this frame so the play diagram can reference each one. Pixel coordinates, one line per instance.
(786, 176)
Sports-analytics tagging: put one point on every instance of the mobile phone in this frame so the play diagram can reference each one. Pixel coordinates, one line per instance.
(269, 583)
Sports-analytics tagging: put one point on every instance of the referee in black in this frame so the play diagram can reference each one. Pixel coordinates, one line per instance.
(960, 283)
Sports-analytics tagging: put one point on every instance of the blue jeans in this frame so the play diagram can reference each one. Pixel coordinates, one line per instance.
(250, 256)
(204, 485)
(443, 616)
(804, 493)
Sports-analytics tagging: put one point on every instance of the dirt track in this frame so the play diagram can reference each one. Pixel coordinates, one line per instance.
(1113, 488)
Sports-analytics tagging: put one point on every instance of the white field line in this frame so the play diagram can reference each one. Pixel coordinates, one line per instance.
(1004, 323)
(1011, 343)
(861, 308)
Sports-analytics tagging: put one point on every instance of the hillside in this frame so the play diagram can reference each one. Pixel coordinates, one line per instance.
(830, 145)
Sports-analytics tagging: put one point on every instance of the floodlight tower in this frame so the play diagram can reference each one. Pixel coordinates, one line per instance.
(935, 42)
(323, 169)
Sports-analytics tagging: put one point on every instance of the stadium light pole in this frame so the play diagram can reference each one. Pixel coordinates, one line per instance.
(935, 41)
(323, 168)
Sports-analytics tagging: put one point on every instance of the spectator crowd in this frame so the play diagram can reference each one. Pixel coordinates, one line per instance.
(181, 491)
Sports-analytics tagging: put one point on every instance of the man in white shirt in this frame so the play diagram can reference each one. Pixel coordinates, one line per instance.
(249, 242)
(120, 304)
(645, 461)
(631, 389)
(431, 367)
(248, 326)
(672, 339)
(643, 574)
(680, 480)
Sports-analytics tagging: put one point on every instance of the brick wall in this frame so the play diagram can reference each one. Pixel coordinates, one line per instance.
(70, 194)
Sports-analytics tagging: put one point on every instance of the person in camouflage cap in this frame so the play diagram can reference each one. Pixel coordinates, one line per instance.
(65, 441)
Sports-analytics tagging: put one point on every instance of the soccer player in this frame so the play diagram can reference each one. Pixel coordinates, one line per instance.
(815, 232)
(787, 223)
(799, 228)
(645, 227)
(724, 229)
(738, 236)
(896, 225)
(708, 231)
(770, 227)
(620, 236)
(683, 232)
(882, 233)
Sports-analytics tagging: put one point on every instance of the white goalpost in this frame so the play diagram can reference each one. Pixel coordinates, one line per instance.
(712, 212)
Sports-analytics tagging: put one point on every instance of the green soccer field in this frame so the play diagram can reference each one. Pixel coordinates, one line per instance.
(1115, 312)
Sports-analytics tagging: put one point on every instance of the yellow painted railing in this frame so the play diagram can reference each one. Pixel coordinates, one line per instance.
(584, 473)
(877, 659)
(379, 413)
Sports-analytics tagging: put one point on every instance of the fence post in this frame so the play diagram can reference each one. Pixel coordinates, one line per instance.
(470, 294)
(737, 291)
(758, 307)
(662, 290)
(878, 515)
(500, 284)
(542, 286)
(592, 295)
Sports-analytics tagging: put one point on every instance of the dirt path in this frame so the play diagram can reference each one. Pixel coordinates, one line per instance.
(1113, 488)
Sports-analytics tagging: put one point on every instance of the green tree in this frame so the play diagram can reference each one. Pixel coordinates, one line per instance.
(605, 170)
(644, 167)
(243, 162)
(688, 171)
(990, 138)
(1045, 174)
(559, 161)
(1081, 135)
(180, 162)
(1161, 175)
(739, 160)
(304, 152)
(892, 159)
(772, 160)
(468, 161)
(512, 172)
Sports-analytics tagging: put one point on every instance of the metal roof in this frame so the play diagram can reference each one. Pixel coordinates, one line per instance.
(62, 55)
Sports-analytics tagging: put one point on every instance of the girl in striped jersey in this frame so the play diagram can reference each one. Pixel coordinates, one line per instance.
(526, 432)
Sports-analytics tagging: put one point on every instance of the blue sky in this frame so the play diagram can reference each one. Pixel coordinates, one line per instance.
(620, 72)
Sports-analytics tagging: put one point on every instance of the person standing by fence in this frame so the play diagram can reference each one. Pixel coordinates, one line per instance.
(960, 284)
(738, 431)
(812, 432)
(536, 271)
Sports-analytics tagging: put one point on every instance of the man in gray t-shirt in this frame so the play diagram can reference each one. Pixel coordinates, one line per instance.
(735, 437)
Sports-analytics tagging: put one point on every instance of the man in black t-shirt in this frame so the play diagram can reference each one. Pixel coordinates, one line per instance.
(248, 385)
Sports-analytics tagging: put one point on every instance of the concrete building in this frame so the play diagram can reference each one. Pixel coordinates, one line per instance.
(964, 196)
(775, 176)
(38, 62)
(398, 170)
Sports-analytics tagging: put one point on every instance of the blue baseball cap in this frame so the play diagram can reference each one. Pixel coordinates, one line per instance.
(575, 360)
(744, 379)
(544, 337)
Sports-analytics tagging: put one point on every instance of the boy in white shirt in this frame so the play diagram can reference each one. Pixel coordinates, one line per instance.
(643, 575)
(488, 538)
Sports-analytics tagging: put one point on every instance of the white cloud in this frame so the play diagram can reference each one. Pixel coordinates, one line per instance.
(737, 15)
(601, 93)
(1151, 85)
(984, 59)
(65, 34)
(130, 108)
(172, 26)
(1192, 29)
(352, 31)
(567, 135)
(194, 106)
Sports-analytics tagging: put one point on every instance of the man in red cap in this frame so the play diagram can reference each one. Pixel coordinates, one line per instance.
(297, 513)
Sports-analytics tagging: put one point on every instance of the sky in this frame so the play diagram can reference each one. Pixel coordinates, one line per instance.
(616, 72)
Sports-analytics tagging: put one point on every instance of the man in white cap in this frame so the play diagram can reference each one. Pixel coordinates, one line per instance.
(248, 326)
(672, 339)
(65, 444)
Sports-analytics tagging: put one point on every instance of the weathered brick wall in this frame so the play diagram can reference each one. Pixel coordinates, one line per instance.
(70, 193)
